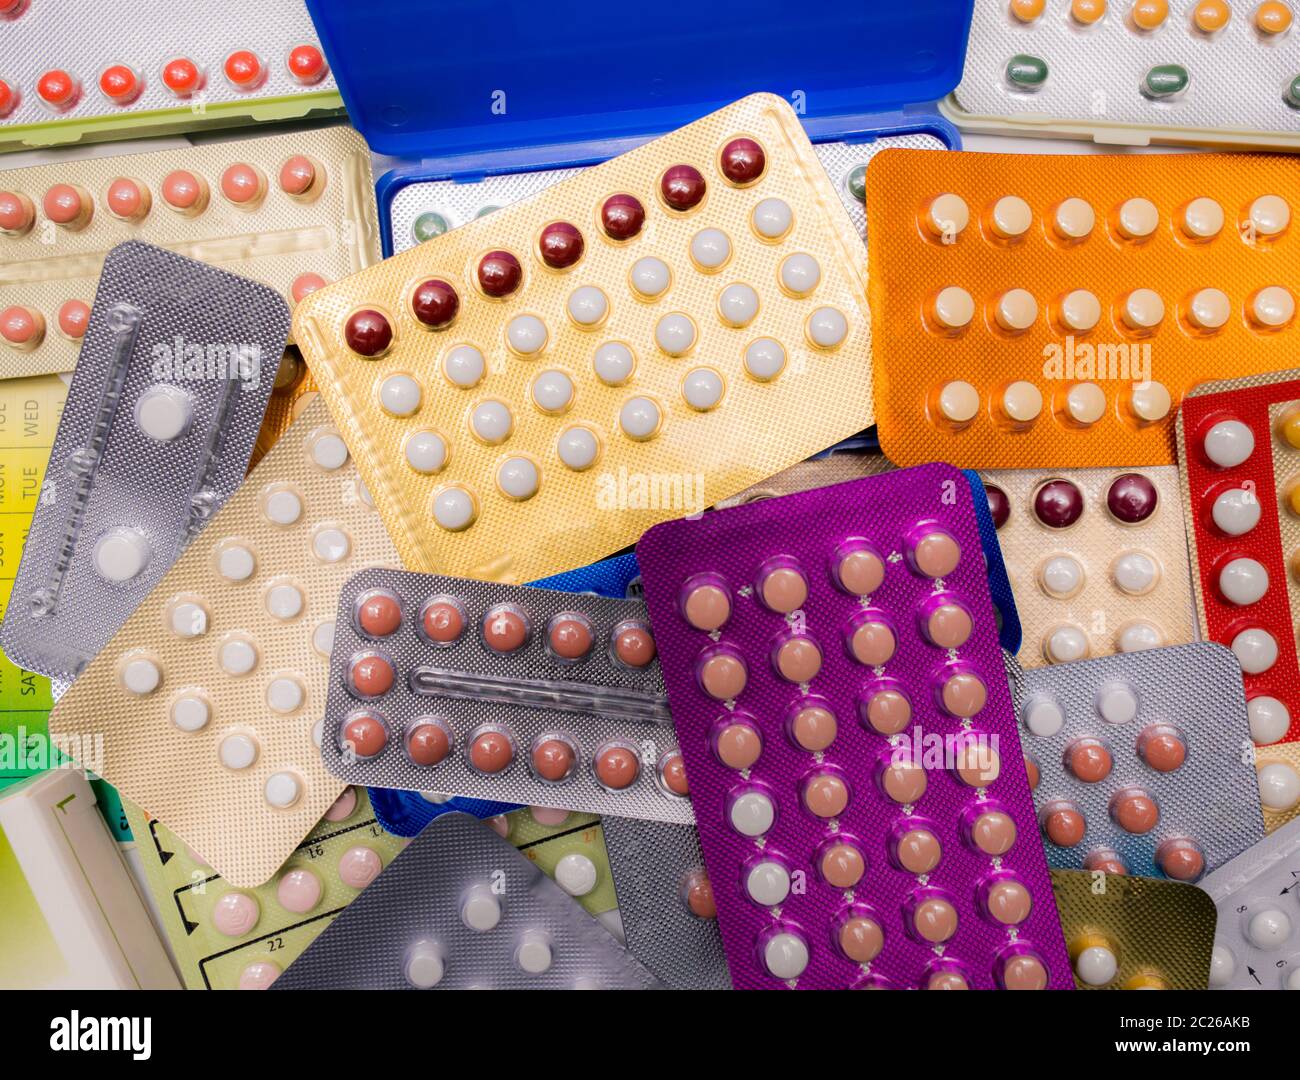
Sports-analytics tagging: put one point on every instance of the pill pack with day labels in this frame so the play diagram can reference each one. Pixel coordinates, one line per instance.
(155, 436)
(808, 643)
(1050, 312)
(77, 72)
(1131, 72)
(293, 211)
(568, 847)
(502, 692)
(665, 902)
(460, 908)
(221, 673)
(1134, 933)
(1097, 558)
(1141, 763)
(578, 366)
(1257, 944)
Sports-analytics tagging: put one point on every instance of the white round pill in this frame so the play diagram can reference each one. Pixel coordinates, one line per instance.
(1065, 644)
(1117, 704)
(331, 545)
(1016, 310)
(533, 953)
(1134, 573)
(1223, 966)
(318, 732)
(282, 790)
(577, 447)
(284, 694)
(1255, 650)
(190, 713)
(322, 638)
(675, 334)
(1137, 636)
(827, 327)
(1269, 215)
(650, 277)
(437, 798)
(768, 883)
(141, 676)
(752, 814)
(282, 506)
(424, 966)
(526, 335)
(492, 421)
(1279, 786)
(1073, 219)
(329, 451)
(1137, 218)
(237, 751)
(400, 395)
(480, 910)
(948, 215)
(772, 218)
(1143, 310)
(1272, 306)
(764, 359)
(614, 363)
(1043, 717)
(639, 418)
(426, 452)
(702, 388)
(235, 563)
(1228, 443)
(1269, 929)
(1022, 402)
(121, 554)
(737, 305)
(575, 874)
(1202, 218)
(785, 956)
(464, 366)
(1096, 965)
(1243, 581)
(453, 508)
(1080, 310)
(710, 249)
(188, 619)
(1061, 576)
(1209, 309)
(959, 401)
(517, 478)
(954, 307)
(1150, 401)
(1085, 403)
(552, 391)
(237, 656)
(284, 601)
(1270, 719)
(163, 413)
(800, 274)
(587, 305)
(1011, 217)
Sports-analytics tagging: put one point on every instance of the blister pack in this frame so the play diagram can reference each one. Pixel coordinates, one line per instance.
(83, 72)
(160, 420)
(618, 576)
(210, 698)
(1134, 933)
(293, 211)
(580, 365)
(459, 909)
(502, 692)
(1131, 72)
(226, 938)
(1239, 466)
(568, 847)
(1051, 312)
(1141, 763)
(665, 901)
(1097, 558)
(1257, 944)
(835, 679)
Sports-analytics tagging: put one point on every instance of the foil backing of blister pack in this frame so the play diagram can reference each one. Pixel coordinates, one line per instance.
(459, 909)
(128, 487)
(1257, 943)
(666, 902)
(673, 435)
(1237, 77)
(85, 40)
(1141, 759)
(529, 695)
(239, 633)
(1134, 933)
(330, 231)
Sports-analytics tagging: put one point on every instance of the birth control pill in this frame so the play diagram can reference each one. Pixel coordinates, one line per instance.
(480, 909)
(1015, 310)
(1229, 443)
(491, 751)
(576, 874)
(860, 938)
(1064, 824)
(17, 213)
(1202, 219)
(959, 402)
(1272, 307)
(282, 789)
(284, 694)
(1010, 217)
(633, 644)
(235, 563)
(767, 883)
(1087, 12)
(1268, 216)
(1065, 644)
(682, 187)
(613, 363)
(237, 751)
(505, 629)
(1134, 573)
(435, 304)
(872, 641)
(235, 914)
(1279, 786)
(243, 184)
(1150, 401)
(560, 245)
(827, 327)
(639, 418)
(886, 711)
(842, 864)
(825, 795)
(499, 274)
(723, 674)
(306, 64)
(1043, 717)
(799, 274)
(141, 676)
(1165, 82)
(737, 744)
(527, 335)
(993, 832)
(1223, 966)
(58, 89)
(1095, 963)
(737, 306)
(917, 850)
(22, 327)
(578, 447)
(1272, 18)
(1080, 310)
(1142, 310)
(675, 334)
(8, 99)
(68, 206)
(710, 249)
(934, 553)
(1058, 504)
(1269, 929)
(1270, 719)
(947, 215)
(903, 781)
(772, 218)
(785, 955)
(1061, 576)
(258, 975)
(188, 619)
(121, 554)
(858, 570)
(1256, 650)
(424, 964)
(1211, 16)
(953, 308)
(622, 217)
(492, 422)
(1073, 219)
(1027, 10)
(1088, 760)
(163, 413)
(428, 742)
(1134, 811)
(1027, 72)
(359, 866)
(698, 894)
(1243, 581)
(752, 813)
(1007, 901)
(934, 920)
(812, 728)
(237, 656)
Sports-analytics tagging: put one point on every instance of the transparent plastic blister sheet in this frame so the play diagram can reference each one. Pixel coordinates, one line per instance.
(1142, 761)
(461, 909)
(161, 417)
(508, 719)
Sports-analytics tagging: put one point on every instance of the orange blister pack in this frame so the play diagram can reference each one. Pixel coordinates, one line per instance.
(1043, 311)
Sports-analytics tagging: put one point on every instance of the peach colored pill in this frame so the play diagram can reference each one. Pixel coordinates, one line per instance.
(243, 184)
(673, 771)
(1024, 973)
(379, 615)
(1162, 749)
(366, 735)
(813, 728)
(1009, 902)
(978, 764)
(947, 980)
(304, 285)
(22, 327)
(861, 939)
(994, 832)
(842, 865)
(1135, 812)
(699, 898)
(128, 199)
(723, 676)
(634, 646)
(738, 746)
(936, 554)
(784, 590)
(707, 608)
(860, 572)
(1031, 769)
(1089, 761)
(297, 175)
(299, 890)
(359, 866)
(935, 920)
(443, 622)
(372, 675)
(74, 317)
(799, 659)
(504, 630)
(918, 851)
(427, 744)
(1065, 827)
(184, 191)
(491, 752)
(553, 759)
(904, 782)
(1182, 862)
(570, 637)
(964, 694)
(825, 795)
(949, 626)
(67, 204)
(889, 712)
(873, 643)
(342, 807)
(617, 767)
(1105, 861)
(16, 212)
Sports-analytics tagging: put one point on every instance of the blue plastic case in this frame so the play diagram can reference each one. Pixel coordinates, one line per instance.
(468, 88)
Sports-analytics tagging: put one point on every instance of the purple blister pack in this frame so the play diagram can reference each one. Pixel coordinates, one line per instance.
(833, 670)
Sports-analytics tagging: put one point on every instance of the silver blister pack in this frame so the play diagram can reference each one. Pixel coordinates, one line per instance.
(173, 379)
(846, 165)
(461, 909)
(1257, 943)
(1141, 763)
(501, 692)
(665, 901)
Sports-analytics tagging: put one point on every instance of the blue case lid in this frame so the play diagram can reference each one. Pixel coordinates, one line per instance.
(464, 77)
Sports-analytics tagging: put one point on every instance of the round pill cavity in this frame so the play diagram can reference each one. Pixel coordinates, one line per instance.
(1180, 860)
(1134, 811)
(764, 359)
(959, 402)
(499, 274)
(1022, 402)
(976, 762)
(783, 589)
(190, 713)
(400, 395)
(428, 742)
(243, 184)
(424, 965)
(428, 225)
(371, 675)
(1058, 504)
(282, 789)
(650, 277)
(1095, 963)
(1134, 573)
(587, 306)
(578, 447)
(1270, 719)
(331, 545)
(1065, 644)
(682, 187)
(235, 563)
(435, 304)
(614, 363)
(527, 335)
(723, 675)
(22, 327)
(1016, 310)
(1256, 650)
(622, 217)
(1137, 218)
(934, 920)
(1027, 10)
(903, 781)
(917, 850)
(363, 735)
(702, 388)
(368, 333)
(772, 218)
(141, 676)
(812, 728)
(859, 571)
(1229, 443)
(560, 245)
(1064, 824)
(825, 795)
(163, 413)
(634, 645)
(672, 773)
(949, 626)
(860, 938)
(639, 418)
(68, 205)
(953, 309)
(935, 553)
(752, 813)
(492, 422)
(1201, 219)
(570, 635)
(1010, 217)
(947, 215)
(1043, 717)
(742, 161)
(1272, 307)
(886, 711)
(1150, 401)
(1023, 972)
(1272, 18)
(1131, 498)
(505, 629)
(1269, 929)
(767, 883)
(127, 199)
(698, 893)
(1135, 636)
(999, 505)
(1269, 215)
(258, 975)
(800, 274)
(237, 751)
(872, 642)
(1061, 576)
(1085, 403)
(738, 745)
(426, 452)
(359, 866)
(710, 249)
(284, 601)
(1080, 310)
(1073, 219)
(17, 214)
(243, 69)
(480, 910)
(1210, 16)
(842, 864)
(58, 89)
(785, 956)
(737, 306)
(827, 327)
(297, 176)
(1008, 902)
(1223, 966)
(575, 874)
(182, 76)
(491, 751)
(706, 606)
(1088, 760)
(464, 366)
(798, 659)
(993, 832)
(675, 334)
(1209, 309)
(121, 554)
(1142, 310)
(1279, 786)
(235, 914)
(1243, 581)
